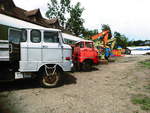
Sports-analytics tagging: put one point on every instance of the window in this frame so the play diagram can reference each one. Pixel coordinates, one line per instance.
(81, 45)
(89, 45)
(15, 36)
(35, 36)
(51, 37)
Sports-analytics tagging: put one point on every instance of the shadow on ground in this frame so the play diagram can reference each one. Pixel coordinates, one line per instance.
(69, 79)
(92, 69)
(3, 110)
(32, 83)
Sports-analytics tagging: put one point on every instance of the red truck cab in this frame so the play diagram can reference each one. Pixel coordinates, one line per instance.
(85, 55)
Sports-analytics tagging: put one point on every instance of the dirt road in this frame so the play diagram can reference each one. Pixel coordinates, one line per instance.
(106, 89)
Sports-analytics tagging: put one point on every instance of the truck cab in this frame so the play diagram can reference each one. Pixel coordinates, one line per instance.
(85, 55)
(38, 53)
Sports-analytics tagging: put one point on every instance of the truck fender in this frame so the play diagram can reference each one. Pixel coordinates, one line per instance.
(88, 60)
(58, 67)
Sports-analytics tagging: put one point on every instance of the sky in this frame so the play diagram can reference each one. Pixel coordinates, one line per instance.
(129, 17)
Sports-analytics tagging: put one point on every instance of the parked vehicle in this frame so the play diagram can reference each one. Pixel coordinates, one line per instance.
(85, 55)
(139, 50)
(33, 53)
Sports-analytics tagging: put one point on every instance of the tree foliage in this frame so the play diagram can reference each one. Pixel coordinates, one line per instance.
(63, 9)
(105, 27)
(139, 43)
(75, 22)
(58, 10)
(88, 33)
(121, 40)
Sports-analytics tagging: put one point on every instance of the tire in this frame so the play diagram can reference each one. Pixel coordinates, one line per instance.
(147, 53)
(127, 51)
(50, 81)
(86, 65)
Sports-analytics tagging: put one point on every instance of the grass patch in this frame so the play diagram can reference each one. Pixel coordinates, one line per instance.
(147, 87)
(142, 100)
(145, 63)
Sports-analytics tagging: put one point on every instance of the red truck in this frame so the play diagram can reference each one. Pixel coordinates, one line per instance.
(84, 55)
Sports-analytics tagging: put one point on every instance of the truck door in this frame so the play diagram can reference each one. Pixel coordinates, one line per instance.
(89, 49)
(14, 47)
(34, 47)
(52, 48)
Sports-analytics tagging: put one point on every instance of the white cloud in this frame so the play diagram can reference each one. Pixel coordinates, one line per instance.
(130, 17)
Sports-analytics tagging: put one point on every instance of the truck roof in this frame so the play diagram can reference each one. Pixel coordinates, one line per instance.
(45, 29)
(71, 37)
(85, 41)
(14, 22)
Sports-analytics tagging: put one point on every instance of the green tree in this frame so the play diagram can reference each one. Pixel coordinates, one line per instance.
(88, 33)
(58, 10)
(130, 43)
(122, 40)
(105, 27)
(75, 22)
(138, 43)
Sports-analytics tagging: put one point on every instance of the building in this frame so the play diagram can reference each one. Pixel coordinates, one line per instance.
(8, 8)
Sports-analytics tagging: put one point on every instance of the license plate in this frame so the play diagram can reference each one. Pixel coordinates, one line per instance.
(18, 75)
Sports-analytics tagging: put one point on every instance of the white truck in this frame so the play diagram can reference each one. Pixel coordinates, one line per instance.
(27, 53)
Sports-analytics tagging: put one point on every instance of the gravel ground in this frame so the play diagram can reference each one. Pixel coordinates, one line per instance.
(105, 89)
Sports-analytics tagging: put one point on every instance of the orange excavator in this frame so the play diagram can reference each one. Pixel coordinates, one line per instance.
(103, 35)
(104, 42)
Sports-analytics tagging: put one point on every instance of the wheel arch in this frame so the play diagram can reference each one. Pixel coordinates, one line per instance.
(88, 60)
(58, 67)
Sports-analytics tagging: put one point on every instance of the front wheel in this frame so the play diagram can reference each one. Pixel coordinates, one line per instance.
(87, 66)
(48, 80)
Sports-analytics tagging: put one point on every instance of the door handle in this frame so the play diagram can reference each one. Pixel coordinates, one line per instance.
(45, 46)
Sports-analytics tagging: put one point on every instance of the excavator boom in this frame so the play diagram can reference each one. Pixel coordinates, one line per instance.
(99, 35)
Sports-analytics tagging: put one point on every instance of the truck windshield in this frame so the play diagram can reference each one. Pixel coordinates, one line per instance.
(81, 45)
(51, 37)
(89, 44)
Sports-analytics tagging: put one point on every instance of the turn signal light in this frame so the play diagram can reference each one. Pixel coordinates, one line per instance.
(68, 58)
